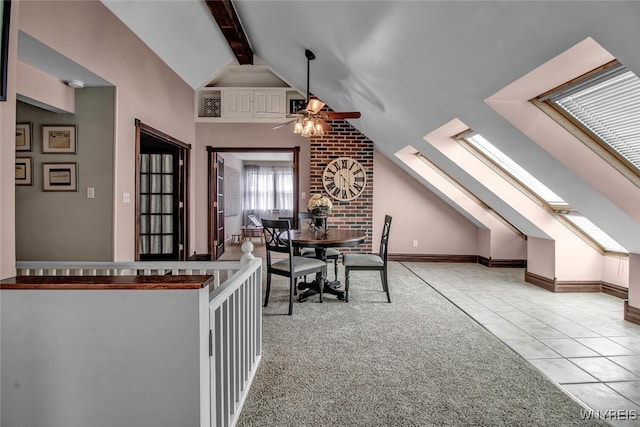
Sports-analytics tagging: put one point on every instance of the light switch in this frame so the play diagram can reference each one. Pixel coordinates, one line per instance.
(304, 195)
(126, 198)
(91, 192)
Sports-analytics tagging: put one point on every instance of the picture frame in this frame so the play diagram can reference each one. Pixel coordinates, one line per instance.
(60, 176)
(23, 137)
(24, 171)
(296, 105)
(59, 139)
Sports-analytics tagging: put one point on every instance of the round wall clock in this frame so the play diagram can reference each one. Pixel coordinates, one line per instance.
(344, 178)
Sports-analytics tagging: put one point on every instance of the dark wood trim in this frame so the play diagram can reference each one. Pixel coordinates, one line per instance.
(433, 258)
(106, 282)
(4, 48)
(487, 262)
(631, 314)
(225, 15)
(540, 281)
(295, 151)
(615, 290)
(585, 286)
(161, 135)
(502, 263)
(185, 172)
(253, 149)
(568, 286)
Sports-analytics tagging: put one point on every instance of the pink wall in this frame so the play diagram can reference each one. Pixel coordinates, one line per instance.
(46, 89)
(418, 214)
(145, 88)
(7, 157)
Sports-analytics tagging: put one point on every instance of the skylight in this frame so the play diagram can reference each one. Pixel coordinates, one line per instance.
(608, 105)
(515, 170)
(594, 232)
(552, 199)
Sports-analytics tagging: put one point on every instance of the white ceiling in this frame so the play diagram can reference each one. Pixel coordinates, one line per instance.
(409, 67)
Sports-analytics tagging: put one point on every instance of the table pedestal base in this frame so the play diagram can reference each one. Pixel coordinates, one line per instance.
(312, 288)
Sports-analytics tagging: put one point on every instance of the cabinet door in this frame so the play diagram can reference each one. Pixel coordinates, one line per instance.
(237, 103)
(268, 103)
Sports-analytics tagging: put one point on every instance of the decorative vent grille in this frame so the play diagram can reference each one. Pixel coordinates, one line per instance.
(211, 107)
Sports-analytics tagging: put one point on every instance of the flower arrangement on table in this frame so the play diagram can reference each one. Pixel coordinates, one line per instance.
(320, 205)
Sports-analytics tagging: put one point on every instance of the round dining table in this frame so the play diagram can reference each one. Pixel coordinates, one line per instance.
(320, 241)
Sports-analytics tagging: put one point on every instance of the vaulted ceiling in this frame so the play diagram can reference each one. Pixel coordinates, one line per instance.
(408, 66)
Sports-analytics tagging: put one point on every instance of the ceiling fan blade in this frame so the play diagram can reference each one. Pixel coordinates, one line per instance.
(335, 115)
(283, 124)
(325, 126)
(314, 106)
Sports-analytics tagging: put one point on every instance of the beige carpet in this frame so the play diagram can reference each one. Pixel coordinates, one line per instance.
(417, 361)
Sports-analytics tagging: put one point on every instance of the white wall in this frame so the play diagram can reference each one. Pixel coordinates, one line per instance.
(100, 358)
(7, 156)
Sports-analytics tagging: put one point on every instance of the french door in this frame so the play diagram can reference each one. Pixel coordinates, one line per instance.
(161, 228)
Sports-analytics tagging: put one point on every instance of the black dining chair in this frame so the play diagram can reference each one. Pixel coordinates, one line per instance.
(276, 240)
(304, 219)
(377, 262)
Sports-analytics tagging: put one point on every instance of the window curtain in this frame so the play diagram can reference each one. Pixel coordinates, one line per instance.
(268, 191)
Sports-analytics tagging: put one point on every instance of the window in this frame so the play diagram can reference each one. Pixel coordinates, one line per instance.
(268, 188)
(515, 170)
(605, 104)
(524, 179)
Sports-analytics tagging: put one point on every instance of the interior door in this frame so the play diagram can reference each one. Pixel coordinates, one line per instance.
(161, 196)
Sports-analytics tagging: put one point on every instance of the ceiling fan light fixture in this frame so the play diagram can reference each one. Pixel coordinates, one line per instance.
(297, 128)
(318, 129)
(315, 105)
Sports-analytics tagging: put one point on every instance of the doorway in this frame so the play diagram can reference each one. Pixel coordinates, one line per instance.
(161, 193)
(219, 231)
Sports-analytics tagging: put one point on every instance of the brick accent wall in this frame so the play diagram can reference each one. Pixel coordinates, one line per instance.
(345, 141)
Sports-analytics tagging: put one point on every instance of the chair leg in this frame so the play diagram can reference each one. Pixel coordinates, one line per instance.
(292, 285)
(385, 283)
(266, 295)
(346, 284)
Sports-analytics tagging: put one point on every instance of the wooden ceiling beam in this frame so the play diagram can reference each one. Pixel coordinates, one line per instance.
(225, 15)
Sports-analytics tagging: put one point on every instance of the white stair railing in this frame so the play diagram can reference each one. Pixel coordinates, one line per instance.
(236, 348)
(235, 317)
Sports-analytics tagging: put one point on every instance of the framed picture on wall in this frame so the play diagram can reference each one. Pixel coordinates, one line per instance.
(60, 176)
(23, 137)
(24, 171)
(59, 139)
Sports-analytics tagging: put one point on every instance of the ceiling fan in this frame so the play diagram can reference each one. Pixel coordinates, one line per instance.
(311, 120)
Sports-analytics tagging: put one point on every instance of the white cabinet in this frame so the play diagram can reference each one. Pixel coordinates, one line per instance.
(268, 103)
(229, 104)
(237, 103)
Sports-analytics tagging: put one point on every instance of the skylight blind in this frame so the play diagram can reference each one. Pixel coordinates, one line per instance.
(611, 110)
(595, 233)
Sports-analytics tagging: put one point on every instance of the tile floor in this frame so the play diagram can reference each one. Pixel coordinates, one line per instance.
(578, 340)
